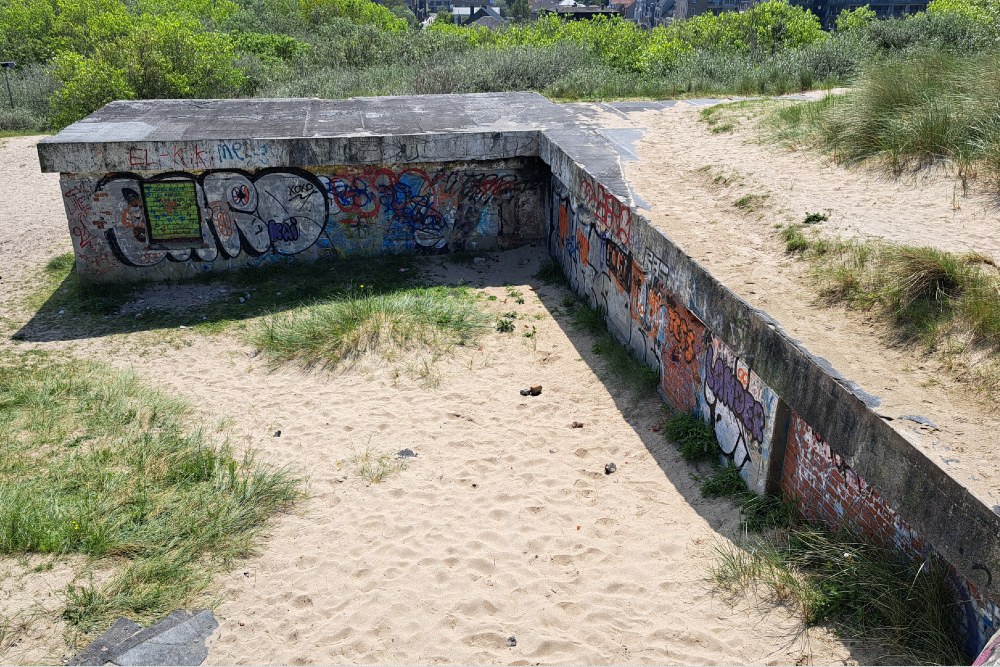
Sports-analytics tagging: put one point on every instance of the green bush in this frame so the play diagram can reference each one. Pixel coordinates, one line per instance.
(27, 31)
(942, 30)
(850, 20)
(178, 59)
(337, 48)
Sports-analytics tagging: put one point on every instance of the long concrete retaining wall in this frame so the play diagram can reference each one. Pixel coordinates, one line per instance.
(165, 189)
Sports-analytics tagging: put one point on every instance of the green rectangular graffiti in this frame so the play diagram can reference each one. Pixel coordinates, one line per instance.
(172, 210)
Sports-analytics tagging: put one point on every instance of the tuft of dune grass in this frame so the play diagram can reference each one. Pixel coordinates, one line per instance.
(928, 107)
(357, 323)
(92, 462)
(899, 611)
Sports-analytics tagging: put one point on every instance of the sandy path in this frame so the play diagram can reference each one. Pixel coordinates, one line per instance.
(679, 159)
(503, 525)
(30, 208)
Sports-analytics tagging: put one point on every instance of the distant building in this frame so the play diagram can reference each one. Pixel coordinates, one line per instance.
(486, 17)
(651, 13)
(626, 8)
(539, 7)
(829, 10)
(462, 10)
(583, 12)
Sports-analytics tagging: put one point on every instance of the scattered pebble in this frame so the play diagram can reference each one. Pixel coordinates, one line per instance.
(242, 300)
(533, 390)
(406, 453)
(277, 434)
(552, 451)
(478, 260)
(511, 641)
(610, 468)
(182, 327)
(576, 425)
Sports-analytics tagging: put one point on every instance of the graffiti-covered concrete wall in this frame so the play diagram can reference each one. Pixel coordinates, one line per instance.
(127, 225)
(719, 358)
(625, 277)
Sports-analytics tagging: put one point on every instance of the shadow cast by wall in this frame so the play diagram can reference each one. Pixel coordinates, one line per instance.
(75, 310)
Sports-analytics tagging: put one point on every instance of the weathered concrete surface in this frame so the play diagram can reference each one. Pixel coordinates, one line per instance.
(177, 639)
(768, 398)
(159, 135)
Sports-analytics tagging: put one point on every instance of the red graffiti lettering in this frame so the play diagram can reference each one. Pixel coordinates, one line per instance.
(613, 217)
(138, 158)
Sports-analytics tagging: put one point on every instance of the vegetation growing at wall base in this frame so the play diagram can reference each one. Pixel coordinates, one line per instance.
(896, 610)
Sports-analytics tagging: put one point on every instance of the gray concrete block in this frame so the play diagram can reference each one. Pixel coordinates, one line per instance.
(180, 644)
(106, 646)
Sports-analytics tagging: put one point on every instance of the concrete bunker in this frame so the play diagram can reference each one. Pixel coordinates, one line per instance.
(169, 189)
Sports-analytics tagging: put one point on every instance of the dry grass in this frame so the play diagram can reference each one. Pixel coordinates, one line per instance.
(943, 301)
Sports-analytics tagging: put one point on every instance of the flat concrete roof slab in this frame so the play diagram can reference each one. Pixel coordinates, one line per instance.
(189, 120)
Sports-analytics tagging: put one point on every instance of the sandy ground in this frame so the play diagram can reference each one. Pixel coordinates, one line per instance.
(679, 163)
(503, 525)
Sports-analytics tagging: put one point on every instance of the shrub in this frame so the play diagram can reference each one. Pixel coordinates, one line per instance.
(318, 12)
(27, 31)
(851, 20)
(178, 59)
(942, 30)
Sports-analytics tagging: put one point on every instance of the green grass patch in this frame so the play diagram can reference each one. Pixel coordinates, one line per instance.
(751, 202)
(726, 117)
(551, 273)
(375, 467)
(944, 301)
(698, 444)
(362, 321)
(795, 239)
(925, 293)
(725, 482)
(59, 288)
(95, 307)
(695, 438)
(619, 363)
(898, 611)
(95, 463)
